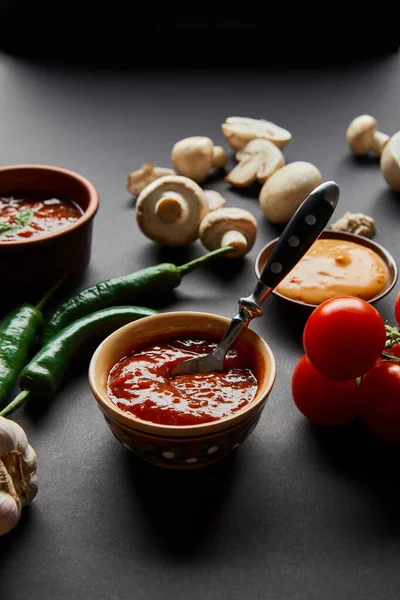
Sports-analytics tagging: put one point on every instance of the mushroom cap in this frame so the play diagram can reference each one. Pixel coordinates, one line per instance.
(359, 134)
(241, 130)
(285, 190)
(193, 156)
(222, 220)
(390, 162)
(183, 230)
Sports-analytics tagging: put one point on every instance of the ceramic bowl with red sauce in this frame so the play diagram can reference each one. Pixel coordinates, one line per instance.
(46, 216)
(183, 422)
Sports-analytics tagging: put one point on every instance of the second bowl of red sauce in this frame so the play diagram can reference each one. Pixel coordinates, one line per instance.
(46, 217)
(188, 420)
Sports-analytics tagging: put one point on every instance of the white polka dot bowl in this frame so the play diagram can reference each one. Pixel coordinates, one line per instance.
(185, 446)
(341, 236)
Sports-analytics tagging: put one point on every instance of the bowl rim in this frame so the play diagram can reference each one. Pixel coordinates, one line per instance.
(84, 218)
(341, 235)
(161, 430)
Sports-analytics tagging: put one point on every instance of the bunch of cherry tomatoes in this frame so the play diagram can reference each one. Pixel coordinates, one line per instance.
(351, 367)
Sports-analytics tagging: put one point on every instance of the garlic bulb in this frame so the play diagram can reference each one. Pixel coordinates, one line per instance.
(18, 479)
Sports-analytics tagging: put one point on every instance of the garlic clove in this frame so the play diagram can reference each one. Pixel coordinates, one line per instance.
(10, 511)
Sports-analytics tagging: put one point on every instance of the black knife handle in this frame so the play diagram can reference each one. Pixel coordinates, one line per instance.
(300, 233)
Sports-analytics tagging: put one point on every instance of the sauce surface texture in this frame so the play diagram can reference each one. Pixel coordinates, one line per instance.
(139, 384)
(34, 215)
(334, 268)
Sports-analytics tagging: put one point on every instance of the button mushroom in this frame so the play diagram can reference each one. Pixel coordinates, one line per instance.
(258, 160)
(170, 210)
(194, 157)
(215, 199)
(138, 180)
(282, 194)
(241, 130)
(390, 162)
(229, 227)
(361, 136)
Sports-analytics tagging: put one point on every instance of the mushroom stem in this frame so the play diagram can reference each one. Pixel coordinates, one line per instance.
(235, 239)
(378, 142)
(170, 207)
(219, 157)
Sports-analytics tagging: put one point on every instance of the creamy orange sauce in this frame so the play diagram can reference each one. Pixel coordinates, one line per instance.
(335, 268)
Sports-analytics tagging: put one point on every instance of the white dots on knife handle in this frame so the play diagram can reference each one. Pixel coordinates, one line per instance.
(293, 241)
(276, 267)
(311, 219)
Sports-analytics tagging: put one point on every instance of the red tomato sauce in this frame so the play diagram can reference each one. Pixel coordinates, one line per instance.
(139, 384)
(34, 215)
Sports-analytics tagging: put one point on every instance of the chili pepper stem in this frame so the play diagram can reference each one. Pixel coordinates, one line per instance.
(16, 403)
(50, 292)
(202, 260)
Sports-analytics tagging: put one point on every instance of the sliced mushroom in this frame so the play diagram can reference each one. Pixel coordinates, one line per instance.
(170, 210)
(241, 130)
(229, 227)
(215, 199)
(138, 180)
(194, 157)
(258, 160)
(390, 162)
(362, 136)
(282, 194)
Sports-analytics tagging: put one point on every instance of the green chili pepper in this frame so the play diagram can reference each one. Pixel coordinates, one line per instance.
(44, 374)
(18, 330)
(122, 290)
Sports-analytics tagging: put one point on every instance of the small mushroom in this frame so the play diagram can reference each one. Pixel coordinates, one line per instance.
(390, 162)
(138, 180)
(361, 136)
(194, 157)
(241, 130)
(170, 210)
(258, 160)
(229, 227)
(357, 223)
(282, 194)
(215, 199)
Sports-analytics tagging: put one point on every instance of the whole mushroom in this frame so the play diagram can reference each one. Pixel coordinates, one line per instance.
(282, 194)
(241, 130)
(362, 136)
(169, 210)
(215, 199)
(390, 162)
(258, 160)
(194, 157)
(229, 227)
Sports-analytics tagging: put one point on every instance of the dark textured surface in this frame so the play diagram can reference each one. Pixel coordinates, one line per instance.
(297, 513)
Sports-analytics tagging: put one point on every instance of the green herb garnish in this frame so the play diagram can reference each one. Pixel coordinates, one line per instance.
(22, 219)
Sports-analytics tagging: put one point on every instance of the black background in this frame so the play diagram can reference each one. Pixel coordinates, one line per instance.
(298, 512)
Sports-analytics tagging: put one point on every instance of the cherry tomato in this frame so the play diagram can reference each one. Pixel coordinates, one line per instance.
(397, 309)
(395, 350)
(322, 400)
(380, 400)
(344, 337)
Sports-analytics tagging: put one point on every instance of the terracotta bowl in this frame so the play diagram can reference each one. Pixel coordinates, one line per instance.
(29, 267)
(180, 447)
(387, 258)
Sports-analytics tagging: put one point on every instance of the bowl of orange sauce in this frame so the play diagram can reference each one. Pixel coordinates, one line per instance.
(187, 421)
(46, 217)
(337, 264)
